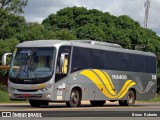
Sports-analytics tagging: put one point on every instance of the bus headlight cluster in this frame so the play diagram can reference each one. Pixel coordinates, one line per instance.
(11, 88)
(46, 88)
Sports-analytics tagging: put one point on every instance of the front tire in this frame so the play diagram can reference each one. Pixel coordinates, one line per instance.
(38, 103)
(130, 99)
(75, 99)
(98, 103)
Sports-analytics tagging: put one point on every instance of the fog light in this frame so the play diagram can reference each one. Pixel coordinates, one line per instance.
(48, 96)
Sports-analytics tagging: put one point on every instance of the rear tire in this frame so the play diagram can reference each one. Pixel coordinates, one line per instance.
(130, 99)
(38, 103)
(75, 99)
(98, 103)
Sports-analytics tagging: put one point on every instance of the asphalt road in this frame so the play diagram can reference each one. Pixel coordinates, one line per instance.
(59, 110)
(85, 106)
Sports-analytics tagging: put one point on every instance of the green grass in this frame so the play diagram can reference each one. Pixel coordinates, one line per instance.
(4, 97)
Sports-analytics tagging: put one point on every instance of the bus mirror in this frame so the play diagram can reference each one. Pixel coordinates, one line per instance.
(4, 58)
(63, 58)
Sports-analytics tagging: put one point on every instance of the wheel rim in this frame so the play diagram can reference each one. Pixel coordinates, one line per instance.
(130, 98)
(74, 98)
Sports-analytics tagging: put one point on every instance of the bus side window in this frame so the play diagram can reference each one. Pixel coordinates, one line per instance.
(80, 59)
(97, 59)
(111, 60)
(62, 72)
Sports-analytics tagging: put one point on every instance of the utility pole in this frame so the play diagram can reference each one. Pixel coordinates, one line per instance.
(147, 6)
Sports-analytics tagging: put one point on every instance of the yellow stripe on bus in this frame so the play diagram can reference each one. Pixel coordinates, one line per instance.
(93, 77)
(126, 90)
(107, 82)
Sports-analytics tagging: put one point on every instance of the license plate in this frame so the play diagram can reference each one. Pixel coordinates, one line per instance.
(26, 95)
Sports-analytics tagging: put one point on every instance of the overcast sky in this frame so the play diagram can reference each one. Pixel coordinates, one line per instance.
(37, 10)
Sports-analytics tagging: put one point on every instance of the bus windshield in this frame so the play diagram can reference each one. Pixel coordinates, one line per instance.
(32, 63)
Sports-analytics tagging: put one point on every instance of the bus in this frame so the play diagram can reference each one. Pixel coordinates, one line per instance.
(44, 71)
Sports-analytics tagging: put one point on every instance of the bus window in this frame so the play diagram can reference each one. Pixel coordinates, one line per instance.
(97, 59)
(138, 63)
(150, 63)
(62, 72)
(80, 59)
(111, 60)
(125, 63)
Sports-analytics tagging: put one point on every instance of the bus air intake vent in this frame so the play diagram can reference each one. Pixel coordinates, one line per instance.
(21, 90)
(27, 96)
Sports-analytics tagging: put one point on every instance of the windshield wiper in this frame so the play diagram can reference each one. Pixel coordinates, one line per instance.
(32, 66)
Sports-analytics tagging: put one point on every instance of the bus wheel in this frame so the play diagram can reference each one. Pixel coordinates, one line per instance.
(130, 99)
(98, 103)
(75, 100)
(38, 103)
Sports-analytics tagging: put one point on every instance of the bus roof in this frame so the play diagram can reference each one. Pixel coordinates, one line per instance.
(82, 43)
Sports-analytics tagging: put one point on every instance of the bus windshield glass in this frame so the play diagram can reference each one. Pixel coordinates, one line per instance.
(32, 63)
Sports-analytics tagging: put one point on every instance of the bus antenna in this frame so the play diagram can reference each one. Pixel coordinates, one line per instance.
(147, 6)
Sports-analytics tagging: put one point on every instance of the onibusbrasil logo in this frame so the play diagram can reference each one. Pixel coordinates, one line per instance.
(20, 114)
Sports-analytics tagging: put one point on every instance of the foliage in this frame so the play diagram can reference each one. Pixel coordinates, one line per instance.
(34, 31)
(7, 46)
(13, 6)
(64, 34)
(10, 24)
(94, 24)
(90, 31)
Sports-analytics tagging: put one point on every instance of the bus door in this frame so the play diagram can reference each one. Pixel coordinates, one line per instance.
(62, 69)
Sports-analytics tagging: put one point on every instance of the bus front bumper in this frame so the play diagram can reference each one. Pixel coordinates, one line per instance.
(16, 95)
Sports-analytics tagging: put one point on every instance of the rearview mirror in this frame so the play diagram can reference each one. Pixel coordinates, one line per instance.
(4, 58)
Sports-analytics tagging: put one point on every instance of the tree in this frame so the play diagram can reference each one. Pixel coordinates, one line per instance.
(64, 34)
(34, 31)
(10, 24)
(90, 31)
(7, 46)
(13, 6)
(125, 22)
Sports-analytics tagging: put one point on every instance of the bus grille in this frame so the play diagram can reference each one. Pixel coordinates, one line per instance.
(27, 90)
(27, 95)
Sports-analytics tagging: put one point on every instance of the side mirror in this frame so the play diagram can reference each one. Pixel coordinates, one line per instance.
(4, 58)
(63, 63)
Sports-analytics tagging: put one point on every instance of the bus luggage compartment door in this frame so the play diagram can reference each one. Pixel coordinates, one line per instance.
(91, 93)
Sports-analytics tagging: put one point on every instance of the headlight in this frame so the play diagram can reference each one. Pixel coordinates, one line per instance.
(11, 88)
(46, 88)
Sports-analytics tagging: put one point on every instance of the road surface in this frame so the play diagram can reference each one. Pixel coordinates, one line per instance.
(85, 110)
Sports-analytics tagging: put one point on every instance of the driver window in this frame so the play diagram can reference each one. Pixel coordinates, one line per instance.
(62, 72)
